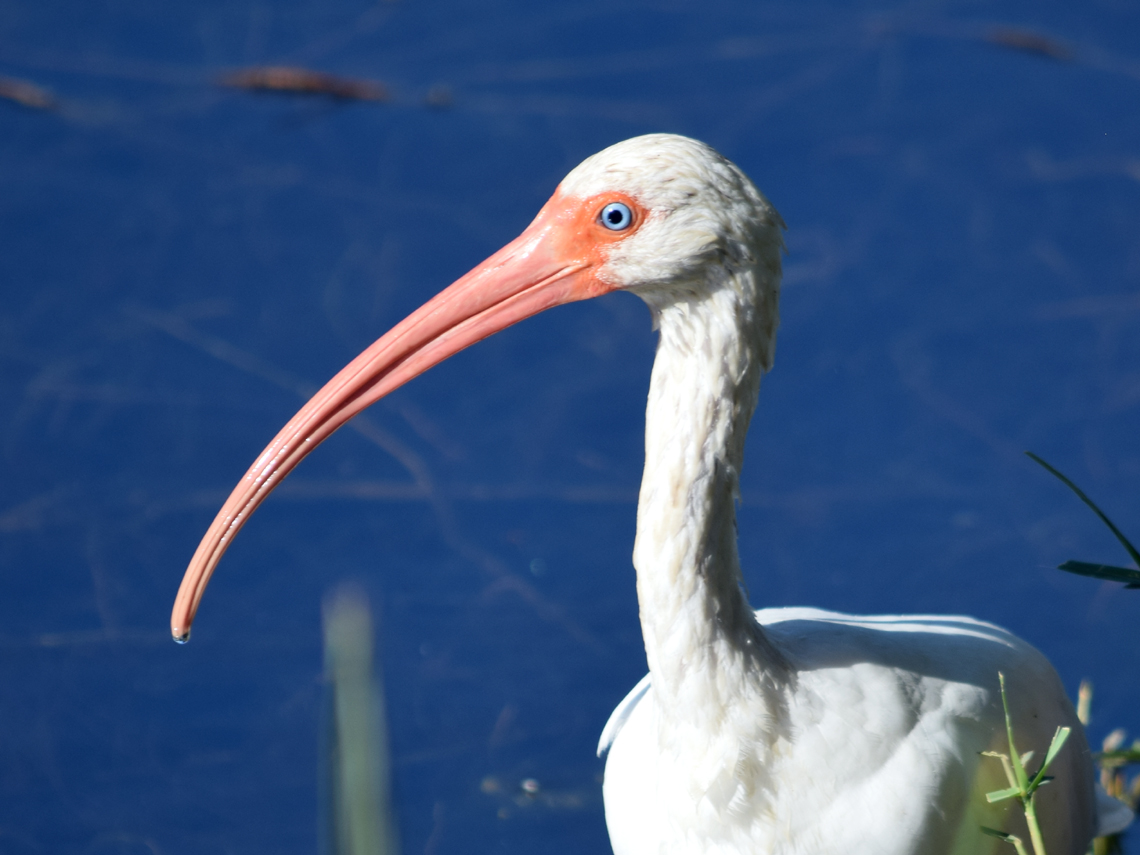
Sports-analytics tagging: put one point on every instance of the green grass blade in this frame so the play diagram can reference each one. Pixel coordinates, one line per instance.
(1002, 795)
(1000, 835)
(362, 821)
(1103, 571)
(1080, 494)
(1008, 838)
(1055, 746)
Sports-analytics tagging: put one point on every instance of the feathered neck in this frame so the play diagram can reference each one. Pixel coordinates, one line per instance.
(701, 637)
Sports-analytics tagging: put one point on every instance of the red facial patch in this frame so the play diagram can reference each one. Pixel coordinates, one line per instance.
(580, 238)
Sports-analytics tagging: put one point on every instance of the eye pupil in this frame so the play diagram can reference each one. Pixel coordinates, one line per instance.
(616, 216)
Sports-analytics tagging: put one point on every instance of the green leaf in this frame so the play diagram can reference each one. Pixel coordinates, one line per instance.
(1103, 571)
(1055, 747)
(1000, 835)
(1080, 494)
(1002, 795)
(1008, 838)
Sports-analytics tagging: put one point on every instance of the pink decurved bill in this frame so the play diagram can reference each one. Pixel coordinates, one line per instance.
(556, 260)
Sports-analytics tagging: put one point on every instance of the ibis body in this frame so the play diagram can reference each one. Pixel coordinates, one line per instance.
(778, 732)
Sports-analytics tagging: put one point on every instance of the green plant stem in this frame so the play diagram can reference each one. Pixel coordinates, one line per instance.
(1034, 828)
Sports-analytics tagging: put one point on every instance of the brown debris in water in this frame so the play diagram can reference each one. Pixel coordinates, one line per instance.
(304, 81)
(27, 94)
(1028, 41)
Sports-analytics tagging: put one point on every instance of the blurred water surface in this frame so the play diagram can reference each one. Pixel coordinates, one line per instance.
(183, 262)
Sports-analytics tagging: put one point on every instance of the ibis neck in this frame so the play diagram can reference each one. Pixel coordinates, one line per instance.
(697, 623)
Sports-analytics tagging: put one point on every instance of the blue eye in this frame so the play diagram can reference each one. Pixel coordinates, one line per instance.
(616, 216)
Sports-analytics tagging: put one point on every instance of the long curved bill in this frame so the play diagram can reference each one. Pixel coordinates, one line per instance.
(547, 265)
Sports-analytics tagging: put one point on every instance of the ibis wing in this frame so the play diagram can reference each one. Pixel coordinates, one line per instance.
(621, 714)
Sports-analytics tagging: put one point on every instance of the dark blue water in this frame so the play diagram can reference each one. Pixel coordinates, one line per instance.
(181, 263)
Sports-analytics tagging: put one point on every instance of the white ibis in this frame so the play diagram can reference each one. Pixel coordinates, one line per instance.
(779, 731)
